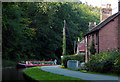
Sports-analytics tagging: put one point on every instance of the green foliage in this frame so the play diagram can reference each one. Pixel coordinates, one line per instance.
(105, 62)
(34, 30)
(92, 47)
(7, 63)
(65, 59)
(13, 34)
(79, 57)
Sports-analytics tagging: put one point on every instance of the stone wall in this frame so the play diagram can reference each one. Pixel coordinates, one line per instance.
(73, 64)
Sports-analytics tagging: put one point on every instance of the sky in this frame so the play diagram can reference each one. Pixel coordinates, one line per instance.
(114, 3)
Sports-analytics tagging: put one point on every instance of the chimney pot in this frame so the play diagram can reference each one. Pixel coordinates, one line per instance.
(92, 25)
(109, 5)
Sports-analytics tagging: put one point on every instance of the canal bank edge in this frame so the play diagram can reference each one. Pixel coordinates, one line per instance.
(28, 78)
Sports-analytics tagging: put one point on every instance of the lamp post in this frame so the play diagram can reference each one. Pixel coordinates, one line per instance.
(62, 60)
(74, 46)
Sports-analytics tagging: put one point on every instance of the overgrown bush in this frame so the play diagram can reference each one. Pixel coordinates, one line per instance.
(92, 47)
(80, 58)
(107, 62)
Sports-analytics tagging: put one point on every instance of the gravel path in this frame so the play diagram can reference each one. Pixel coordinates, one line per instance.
(85, 76)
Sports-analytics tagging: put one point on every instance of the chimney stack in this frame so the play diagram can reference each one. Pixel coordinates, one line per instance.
(92, 25)
(106, 12)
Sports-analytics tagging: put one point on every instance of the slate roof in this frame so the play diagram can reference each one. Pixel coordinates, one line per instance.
(103, 23)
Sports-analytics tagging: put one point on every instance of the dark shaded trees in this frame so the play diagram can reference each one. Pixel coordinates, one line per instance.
(34, 30)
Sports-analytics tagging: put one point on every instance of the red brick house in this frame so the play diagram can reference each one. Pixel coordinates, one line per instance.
(106, 35)
(81, 47)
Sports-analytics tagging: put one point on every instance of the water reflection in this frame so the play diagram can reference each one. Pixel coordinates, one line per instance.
(12, 73)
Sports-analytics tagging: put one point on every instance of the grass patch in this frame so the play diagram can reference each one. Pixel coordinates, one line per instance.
(84, 71)
(37, 74)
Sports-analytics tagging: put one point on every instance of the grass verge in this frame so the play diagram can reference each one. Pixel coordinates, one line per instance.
(37, 74)
(84, 71)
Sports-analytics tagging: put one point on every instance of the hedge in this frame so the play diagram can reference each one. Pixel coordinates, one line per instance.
(105, 62)
(79, 57)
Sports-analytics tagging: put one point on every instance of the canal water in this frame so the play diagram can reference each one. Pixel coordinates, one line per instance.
(13, 74)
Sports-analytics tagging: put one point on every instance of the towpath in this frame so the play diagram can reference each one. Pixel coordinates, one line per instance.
(85, 76)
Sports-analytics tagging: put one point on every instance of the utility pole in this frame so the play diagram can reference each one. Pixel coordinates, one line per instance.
(64, 43)
(64, 40)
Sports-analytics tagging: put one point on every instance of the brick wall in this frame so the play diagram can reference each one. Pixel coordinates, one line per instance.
(119, 32)
(108, 36)
(95, 40)
(88, 41)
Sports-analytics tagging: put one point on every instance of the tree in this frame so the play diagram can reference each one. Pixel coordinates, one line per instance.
(34, 30)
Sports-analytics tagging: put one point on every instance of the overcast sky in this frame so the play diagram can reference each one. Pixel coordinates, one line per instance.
(114, 3)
